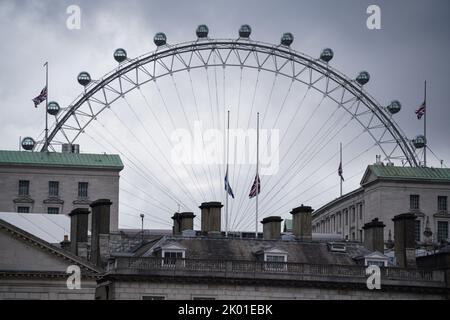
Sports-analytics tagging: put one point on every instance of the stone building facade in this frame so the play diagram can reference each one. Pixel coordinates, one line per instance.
(52, 182)
(385, 192)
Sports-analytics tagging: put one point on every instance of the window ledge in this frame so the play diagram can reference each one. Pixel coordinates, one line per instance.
(53, 200)
(23, 199)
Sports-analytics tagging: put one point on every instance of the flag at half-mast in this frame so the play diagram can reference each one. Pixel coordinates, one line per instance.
(41, 97)
(228, 187)
(421, 111)
(256, 187)
(340, 171)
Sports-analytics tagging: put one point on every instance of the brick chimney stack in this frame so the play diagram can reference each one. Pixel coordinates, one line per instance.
(374, 235)
(182, 221)
(272, 228)
(211, 217)
(79, 222)
(100, 231)
(302, 222)
(404, 241)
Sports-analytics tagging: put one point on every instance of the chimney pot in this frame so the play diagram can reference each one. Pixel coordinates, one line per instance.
(211, 217)
(301, 222)
(100, 231)
(79, 223)
(272, 228)
(404, 241)
(374, 235)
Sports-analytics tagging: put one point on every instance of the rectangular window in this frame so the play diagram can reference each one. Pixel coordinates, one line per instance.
(346, 218)
(417, 230)
(360, 235)
(353, 214)
(375, 263)
(414, 201)
(153, 298)
(24, 187)
(23, 209)
(275, 262)
(170, 258)
(53, 210)
(442, 203)
(360, 212)
(53, 188)
(442, 230)
(83, 189)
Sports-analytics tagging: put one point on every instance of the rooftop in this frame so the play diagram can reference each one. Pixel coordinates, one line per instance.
(57, 159)
(407, 173)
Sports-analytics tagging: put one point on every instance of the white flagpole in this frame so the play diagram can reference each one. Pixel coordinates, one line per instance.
(425, 128)
(257, 174)
(46, 104)
(226, 174)
(340, 176)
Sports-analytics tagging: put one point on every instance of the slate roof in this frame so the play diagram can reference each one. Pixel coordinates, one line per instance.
(61, 159)
(44, 245)
(246, 249)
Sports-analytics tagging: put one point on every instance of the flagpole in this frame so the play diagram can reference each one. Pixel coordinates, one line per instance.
(340, 177)
(46, 104)
(257, 174)
(227, 182)
(425, 127)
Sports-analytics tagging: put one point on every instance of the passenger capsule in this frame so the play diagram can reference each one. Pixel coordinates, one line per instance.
(28, 143)
(160, 39)
(326, 55)
(244, 31)
(394, 107)
(53, 108)
(84, 78)
(202, 31)
(287, 39)
(419, 142)
(120, 55)
(363, 77)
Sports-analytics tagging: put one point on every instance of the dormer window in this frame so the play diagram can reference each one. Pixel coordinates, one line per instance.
(376, 259)
(172, 255)
(275, 260)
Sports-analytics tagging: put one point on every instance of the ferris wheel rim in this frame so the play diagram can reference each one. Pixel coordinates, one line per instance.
(285, 52)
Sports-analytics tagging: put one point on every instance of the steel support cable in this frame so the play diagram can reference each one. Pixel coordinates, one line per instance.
(191, 131)
(310, 145)
(283, 103)
(210, 179)
(436, 157)
(145, 149)
(297, 137)
(248, 127)
(235, 146)
(213, 120)
(220, 167)
(138, 169)
(186, 189)
(137, 216)
(167, 136)
(318, 167)
(311, 158)
(263, 119)
(38, 227)
(146, 199)
(317, 182)
(150, 217)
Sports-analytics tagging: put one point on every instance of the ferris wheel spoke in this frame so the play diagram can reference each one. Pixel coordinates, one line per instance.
(140, 168)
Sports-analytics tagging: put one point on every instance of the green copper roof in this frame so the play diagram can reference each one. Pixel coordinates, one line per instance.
(105, 161)
(410, 173)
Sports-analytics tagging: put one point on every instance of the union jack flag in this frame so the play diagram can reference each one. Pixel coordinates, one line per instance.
(41, 97)
(256, 187)
(421, 111)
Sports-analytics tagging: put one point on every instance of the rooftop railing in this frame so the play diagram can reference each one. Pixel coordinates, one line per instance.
(270, 270)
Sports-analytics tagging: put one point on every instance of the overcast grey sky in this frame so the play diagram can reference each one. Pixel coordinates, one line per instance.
(411, 47)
